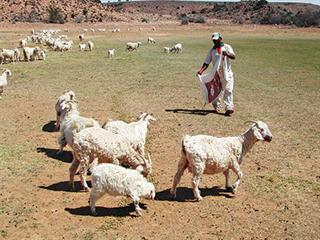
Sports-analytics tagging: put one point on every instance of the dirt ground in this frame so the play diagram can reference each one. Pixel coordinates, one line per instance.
(278, 197)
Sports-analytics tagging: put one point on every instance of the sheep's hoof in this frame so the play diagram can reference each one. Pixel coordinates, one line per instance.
(199, 198)
(139, 212)
(85, 189)
(234, 189)
(94, 213)
(173, 197)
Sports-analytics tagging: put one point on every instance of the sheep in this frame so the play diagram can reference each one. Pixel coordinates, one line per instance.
(90, 45)
(71, 123)
(176, 48)
(30, 53)
(101, 29)
(1, 58)
(96, 143)
(92, 30)
(3, 80)
(135, 132)
(111, 52)
(211, 155)
(8, 54)
(65, 97)
(167, 49)
(16, 54)
(23, 42)
(42, 55)
(116, 180)
(133, 45)
(81, 36)
(82, 46)
(151, 40)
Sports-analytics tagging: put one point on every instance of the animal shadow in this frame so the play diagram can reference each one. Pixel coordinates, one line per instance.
(186, 194)
(49, 127)
(193, 111)
(65, 156)
(65, 187)
(125, 211)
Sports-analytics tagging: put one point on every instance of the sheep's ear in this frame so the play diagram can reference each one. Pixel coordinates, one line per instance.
(257, 134)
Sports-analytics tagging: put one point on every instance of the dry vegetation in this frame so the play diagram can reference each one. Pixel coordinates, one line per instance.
(276, 80)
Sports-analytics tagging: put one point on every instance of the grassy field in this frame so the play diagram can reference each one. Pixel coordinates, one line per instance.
(277, 80)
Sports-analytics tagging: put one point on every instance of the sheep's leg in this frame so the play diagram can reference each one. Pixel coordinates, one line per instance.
(237, 170)
(72, 171)
(197, 173)
(58, 121)
(62, 142)
(183, 164)
(94, 196)
(228, 187)
(136, 205)
(83, 174)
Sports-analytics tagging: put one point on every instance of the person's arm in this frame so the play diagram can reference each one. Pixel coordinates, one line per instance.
(229, 55)
(203, 68)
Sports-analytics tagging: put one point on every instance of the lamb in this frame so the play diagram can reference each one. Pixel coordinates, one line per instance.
(90, 45)
(176, 48)
(65, 97)
(151, 40)
(3, 80)
(106, 147)
(135, 132)
(116, 180)
(133, 45)
(211, 155)
(71, 123)
(111, 52)
(82, 46)
(81, 36)
(8, 54)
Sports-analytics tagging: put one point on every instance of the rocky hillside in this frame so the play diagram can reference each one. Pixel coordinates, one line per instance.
(61, 11)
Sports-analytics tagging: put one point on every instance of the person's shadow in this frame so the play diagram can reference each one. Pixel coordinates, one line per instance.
(193, 111)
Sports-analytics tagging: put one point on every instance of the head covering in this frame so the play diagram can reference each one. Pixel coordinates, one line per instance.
(216, 36)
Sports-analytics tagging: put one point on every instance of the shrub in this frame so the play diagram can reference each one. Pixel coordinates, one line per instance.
(184, 20)
(55, 15)
(145, 20)
(307, 19)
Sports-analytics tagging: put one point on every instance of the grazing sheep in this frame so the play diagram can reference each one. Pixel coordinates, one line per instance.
(106, 147)
(203, 154)
(81, 36)
(82, 46)
(8, 54)
(116, 180)
(176, 48)
(30, 53)
(71, 123)
(135, 132)
(90, 45)
(111, 52)
(133, 45)
(3, 80)
(151, 40)
(65, 97)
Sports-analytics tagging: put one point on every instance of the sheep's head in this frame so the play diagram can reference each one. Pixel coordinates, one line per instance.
(261, 131)
(7, 72)
(139, 43)
(146, 165)
(68, 106)
(149, 192)
(146, 117)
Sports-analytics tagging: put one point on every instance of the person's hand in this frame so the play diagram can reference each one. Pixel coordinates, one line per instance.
(199, 73)
(224, 53)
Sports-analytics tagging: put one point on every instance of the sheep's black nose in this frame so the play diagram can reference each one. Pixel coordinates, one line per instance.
(268, 138)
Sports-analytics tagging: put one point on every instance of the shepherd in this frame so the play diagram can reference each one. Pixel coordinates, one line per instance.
(219, 82)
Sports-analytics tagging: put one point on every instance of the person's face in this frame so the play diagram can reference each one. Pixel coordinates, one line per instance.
(216, 42)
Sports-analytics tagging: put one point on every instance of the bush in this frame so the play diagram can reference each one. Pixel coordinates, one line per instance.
(184, 20)
(55, 15)
(145, 20)
(198, 19)
(307, 19)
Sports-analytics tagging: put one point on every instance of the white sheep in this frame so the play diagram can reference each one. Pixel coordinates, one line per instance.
(8, 54)
(30, 53)
(90, 45)
(176, 48)
(135, 132)
(82, 46)
(151, 40)
(71, 123)
(203, 154)
(3, 80)
(133, 45)
(65, 97)
(116, 180)
(17, 54)
(42, 55)
(106, 147)
(111, 52)
(81, 36)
